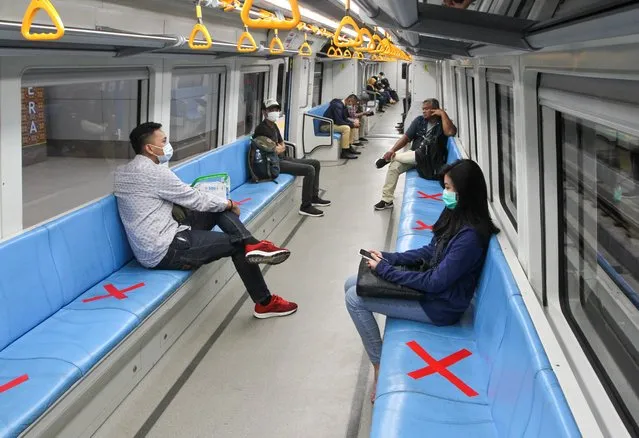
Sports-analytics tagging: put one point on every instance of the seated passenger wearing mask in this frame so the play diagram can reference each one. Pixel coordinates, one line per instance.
(446, 270)
(338, 113)
(146, 194)
(384, 82)
(309, 169)
(429, 150)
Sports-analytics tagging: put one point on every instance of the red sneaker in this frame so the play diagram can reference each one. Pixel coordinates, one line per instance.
(266, 252)
(277, 307)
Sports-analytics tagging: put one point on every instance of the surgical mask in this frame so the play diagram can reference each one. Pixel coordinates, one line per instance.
(273, 116)
(168, 153)
(450, 199)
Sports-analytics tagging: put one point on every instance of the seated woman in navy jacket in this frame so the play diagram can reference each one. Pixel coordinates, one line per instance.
(453, 262)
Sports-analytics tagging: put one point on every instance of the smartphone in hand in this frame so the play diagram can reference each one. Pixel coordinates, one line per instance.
(367, 255)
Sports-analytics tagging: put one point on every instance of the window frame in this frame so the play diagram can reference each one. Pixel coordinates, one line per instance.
(493, 77)
(221, 107)
(619, 116)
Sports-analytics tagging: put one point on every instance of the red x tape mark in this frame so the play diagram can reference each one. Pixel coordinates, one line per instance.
(113, 292)
(423, 226)
(243, 201)
(440, 366)
(15, 382)
(436, 196)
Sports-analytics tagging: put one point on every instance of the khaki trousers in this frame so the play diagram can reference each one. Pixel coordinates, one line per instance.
(402, 162)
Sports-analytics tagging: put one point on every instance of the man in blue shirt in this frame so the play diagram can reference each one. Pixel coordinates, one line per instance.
(338, 113)
(429, 150)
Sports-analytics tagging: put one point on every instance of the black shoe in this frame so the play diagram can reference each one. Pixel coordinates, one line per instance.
(311, 211)
(365, 140)
(382, 205)
(346, 154)
(381, 163)
(319, 202)
(357, 143)
(353, 151)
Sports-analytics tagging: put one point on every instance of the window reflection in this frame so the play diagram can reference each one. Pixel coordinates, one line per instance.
(506, 150)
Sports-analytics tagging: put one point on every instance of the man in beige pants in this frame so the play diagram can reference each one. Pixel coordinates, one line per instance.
(429, 133)
(349, 130)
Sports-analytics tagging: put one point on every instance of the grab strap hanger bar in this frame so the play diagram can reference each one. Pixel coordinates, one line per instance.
(246, 36)
(276, 47)
(29, 15)
(305, 48)
(200, 28)
(347, 21)
(271, 22)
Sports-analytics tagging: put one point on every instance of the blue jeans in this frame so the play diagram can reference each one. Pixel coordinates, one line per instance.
(361, 310)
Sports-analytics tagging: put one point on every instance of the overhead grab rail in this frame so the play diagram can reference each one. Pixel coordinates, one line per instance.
(200, 28)
(246, 36)
(347, 21)
(276, 47)
(305, 48)
(29, 15)
(271, 22)
(370, 46)
(334, 52)
(347, 54)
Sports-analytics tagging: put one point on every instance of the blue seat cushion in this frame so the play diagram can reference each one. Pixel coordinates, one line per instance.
(256, 196)
(416, 415)
(550, 415)
(398, 360)
(412, 241)
(419, 220)
(140, 302)
(47, 380)
(78, 337)
(231, 158)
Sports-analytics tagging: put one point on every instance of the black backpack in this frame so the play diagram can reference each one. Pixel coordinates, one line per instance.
(431, 154)
(263, 162)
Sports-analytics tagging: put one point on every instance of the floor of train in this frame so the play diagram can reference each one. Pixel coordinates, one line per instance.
(302, 375)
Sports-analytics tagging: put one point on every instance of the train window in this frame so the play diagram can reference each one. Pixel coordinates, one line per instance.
(75, 132)
(472, 123)
(252, 94)
(318, 75)
(600, 251)
(460, 94)
(195, 103)
(506, 154)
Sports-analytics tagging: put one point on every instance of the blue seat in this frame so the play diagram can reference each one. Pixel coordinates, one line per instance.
(319, 111)
(62, 312)
(515, 390)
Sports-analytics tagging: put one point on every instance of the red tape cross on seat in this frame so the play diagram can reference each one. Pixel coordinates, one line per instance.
(243, 201)
(436, 196)
(440, 366)
(422, 226)
(15, 382)
(115, 293)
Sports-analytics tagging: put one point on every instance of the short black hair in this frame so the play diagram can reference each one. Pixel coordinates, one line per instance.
(140, 135)
(353, 96)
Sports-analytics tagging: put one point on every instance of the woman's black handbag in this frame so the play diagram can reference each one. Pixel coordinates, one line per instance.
(369, 284)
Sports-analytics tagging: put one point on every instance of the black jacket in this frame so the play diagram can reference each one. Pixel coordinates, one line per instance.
(338, 113)
(431, 154)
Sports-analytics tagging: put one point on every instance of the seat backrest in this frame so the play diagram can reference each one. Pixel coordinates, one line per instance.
(453, 150)
(87, 245)
(318, 111)
(550, 414)
(231, 158)
(189, 171)
(518, 360)
(30, 290)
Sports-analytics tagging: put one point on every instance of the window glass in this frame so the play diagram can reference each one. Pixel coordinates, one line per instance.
(282, 81)
(473, 118)
(506, 150)
(599, 196)
(318, 75)
(195, 99)
(73, 138)
(460, 84)
(251, 95)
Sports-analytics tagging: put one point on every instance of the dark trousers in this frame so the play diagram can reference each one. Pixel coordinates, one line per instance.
(193, 248)
(310, 170)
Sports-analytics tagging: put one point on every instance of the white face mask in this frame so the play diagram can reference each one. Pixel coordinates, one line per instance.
(273, 116)
(168, 153)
